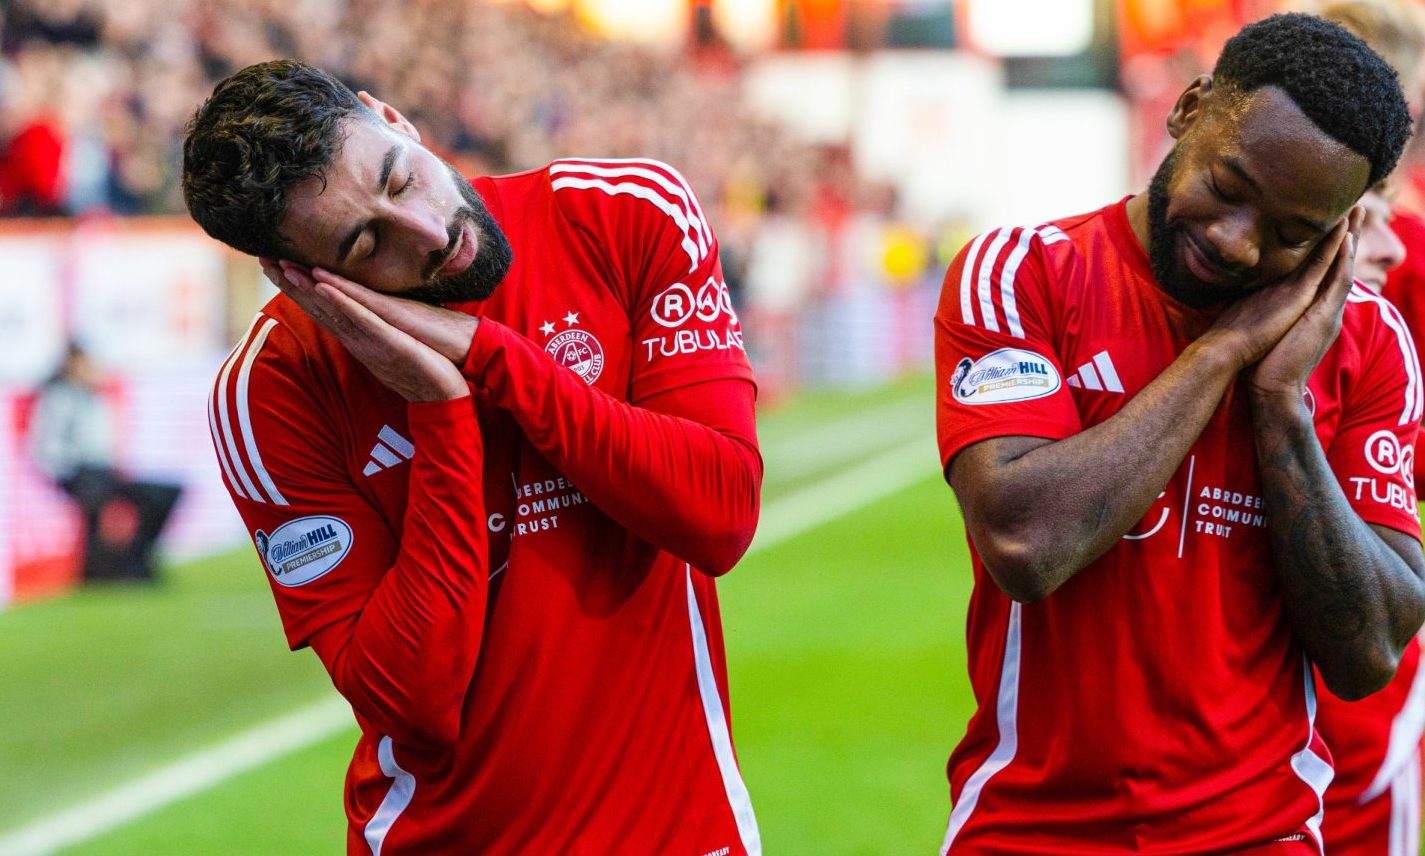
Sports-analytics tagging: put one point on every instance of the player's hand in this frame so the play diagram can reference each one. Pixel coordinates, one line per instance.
(1252, 326)
(406, 366)
(1282, 373)
(445, 330)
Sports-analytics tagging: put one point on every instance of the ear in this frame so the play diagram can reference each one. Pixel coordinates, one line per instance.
(1190, 106)
(390, 115)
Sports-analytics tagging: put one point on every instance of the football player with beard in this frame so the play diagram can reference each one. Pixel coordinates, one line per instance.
(1180, 436)
(497, 524)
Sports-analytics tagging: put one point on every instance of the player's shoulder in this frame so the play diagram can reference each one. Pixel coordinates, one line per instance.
(275, 399)
(1051, 239)
(1369, 312)
(635, 203)
(1005, 255)
(612, 180)
(638, 189)
(1375, 351)
(1373, 324)
(278, 345)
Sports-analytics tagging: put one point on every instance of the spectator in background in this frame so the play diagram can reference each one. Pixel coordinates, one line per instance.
(94, 95)
(781, 270)
(32, 138)
(72, 440)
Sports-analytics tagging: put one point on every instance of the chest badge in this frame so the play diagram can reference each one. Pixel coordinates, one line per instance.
(573, 348)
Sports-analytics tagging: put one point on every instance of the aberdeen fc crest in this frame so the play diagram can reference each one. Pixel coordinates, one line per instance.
(575, 349)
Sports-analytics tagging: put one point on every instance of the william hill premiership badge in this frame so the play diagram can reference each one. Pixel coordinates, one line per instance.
(1003, 376)
(302, 550)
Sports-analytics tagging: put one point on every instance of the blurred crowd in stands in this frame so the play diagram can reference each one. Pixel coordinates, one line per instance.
(94, 95)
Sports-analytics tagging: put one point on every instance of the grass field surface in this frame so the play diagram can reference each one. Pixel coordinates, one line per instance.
(845, 641)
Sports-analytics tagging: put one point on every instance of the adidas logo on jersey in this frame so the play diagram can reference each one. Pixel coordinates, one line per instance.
(1097, 374)
(391, 449)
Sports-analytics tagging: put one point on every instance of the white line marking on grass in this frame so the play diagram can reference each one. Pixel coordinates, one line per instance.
(831, 444)
(843, 493)
(782, 520)
(189, 775)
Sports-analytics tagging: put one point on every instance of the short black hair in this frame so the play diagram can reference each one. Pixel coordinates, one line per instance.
(1342, 86)
(264, 130)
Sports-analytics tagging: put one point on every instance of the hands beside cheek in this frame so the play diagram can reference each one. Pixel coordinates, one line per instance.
(446, 331)
(1283, 372)
(1279, 333)
(398, 360)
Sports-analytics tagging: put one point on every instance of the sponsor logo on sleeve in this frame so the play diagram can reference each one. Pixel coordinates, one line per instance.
(1004, 376)
(304, 549)
(678, 304)
(1397, 463)
(1383, 452)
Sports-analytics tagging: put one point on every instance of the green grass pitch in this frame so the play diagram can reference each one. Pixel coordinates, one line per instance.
(845, 648)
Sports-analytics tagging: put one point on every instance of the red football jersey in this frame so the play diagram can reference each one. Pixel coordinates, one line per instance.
(1373, 805)
(1405, 285)
(507, 587)
(1157, 702)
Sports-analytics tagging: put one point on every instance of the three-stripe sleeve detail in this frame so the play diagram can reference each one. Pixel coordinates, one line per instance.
(230, 420)
(655, 182)
(990, 275)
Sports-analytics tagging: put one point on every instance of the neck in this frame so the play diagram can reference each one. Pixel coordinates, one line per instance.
(1137, 211)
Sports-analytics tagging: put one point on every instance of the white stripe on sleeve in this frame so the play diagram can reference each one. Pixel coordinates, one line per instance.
(1414, 391)
(987, 266)
(642, 191)
(245, 418)
(1052, 234)
(967, 276)
(224, 419)
(218, 445)
(672, 173)
(646, 169)
(1006, 283)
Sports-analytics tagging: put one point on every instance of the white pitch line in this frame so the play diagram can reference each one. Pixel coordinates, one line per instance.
(850, 490)
(783, 519)
(189, 775)
(826, 446)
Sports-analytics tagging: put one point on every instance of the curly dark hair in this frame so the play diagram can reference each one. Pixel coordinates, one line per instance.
(1342, 86)
(264, 130)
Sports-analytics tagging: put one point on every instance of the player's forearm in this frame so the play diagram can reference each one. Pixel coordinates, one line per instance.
(1352, 601)
(407, 660)
(688, 488)
(1041, 516)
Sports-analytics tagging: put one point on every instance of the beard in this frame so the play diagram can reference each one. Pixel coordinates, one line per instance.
(492, 256)
(1164, 238)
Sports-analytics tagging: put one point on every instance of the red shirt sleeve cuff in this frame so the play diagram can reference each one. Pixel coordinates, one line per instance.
(440, 412)
(488, 337)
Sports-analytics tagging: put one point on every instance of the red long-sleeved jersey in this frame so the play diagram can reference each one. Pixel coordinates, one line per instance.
(514, 590)
(1157, 702)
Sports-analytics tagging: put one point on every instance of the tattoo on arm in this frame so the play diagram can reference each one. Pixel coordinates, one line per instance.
(1323, 540)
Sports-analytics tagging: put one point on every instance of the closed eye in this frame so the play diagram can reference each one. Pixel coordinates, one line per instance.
(409, 183)
(1218, 191)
